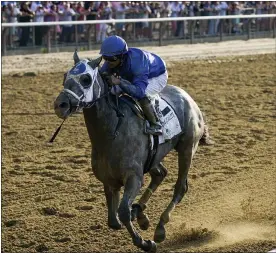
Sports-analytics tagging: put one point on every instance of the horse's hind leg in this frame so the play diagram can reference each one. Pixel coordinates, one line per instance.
(132, 186)
(157, 176)
(112, 199)
(185, 154)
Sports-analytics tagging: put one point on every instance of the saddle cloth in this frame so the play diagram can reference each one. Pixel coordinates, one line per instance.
(170, 123)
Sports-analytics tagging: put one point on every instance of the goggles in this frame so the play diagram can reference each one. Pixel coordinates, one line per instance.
(110, 58)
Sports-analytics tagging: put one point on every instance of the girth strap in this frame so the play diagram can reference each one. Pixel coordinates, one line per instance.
(152, 153)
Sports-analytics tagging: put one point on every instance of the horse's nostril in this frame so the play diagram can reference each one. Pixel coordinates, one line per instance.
(63, 105)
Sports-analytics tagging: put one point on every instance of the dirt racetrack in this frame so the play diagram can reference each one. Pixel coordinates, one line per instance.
(51, 202)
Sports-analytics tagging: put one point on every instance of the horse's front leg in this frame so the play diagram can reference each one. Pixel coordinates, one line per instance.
(112, 199)
(157, 176)
(186, 151)
(133, 184)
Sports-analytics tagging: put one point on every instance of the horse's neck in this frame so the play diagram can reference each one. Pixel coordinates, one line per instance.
(100, 119)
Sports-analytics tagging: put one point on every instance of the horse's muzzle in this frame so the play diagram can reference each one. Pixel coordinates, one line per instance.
(62, 106)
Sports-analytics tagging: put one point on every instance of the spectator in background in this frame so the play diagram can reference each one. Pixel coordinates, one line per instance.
(260, 10)
(131, 13)
(67, 15)
(138, 13)
(223, 7)
(80, 15)
(146, 11)
(191, 9)
(212, 27)
(91, 10)
(205, 11)
(11, 13)
(39, 30)
(104, 13)
(4, 18)
(197, 13)
(235, 10)
(61, 6)
(165, 12)
(175, 10)
(120, 13)
(154, 10)
(180, 25)
(26, 15)
(271, 10)
(47, 4)
(33, 5)
(50, 16)
(91, 14)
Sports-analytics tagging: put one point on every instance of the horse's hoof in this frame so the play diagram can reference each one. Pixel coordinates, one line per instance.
(152, 246)
(115, 225)
(143, 222)
(160, 233)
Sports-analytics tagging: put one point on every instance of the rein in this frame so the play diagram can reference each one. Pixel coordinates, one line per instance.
(119, 115)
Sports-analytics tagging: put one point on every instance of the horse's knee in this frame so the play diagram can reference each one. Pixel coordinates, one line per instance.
(159, 171)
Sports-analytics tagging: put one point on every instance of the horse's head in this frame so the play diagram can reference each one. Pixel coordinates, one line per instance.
(81, 87)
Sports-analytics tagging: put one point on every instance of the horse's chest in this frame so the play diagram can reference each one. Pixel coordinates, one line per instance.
(102, 168)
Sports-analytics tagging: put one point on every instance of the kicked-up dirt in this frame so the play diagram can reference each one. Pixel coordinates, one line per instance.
(51, 202)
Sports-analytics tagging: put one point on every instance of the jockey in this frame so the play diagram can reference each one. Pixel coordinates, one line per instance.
(138, 73)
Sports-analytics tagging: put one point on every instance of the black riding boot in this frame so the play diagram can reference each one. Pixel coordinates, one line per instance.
(155, 127)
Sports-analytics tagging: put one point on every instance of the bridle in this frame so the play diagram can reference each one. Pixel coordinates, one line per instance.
(82, 104)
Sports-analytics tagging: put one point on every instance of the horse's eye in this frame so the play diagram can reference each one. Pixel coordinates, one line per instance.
(85, 80)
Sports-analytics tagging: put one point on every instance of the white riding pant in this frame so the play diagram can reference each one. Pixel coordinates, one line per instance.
(156, 84)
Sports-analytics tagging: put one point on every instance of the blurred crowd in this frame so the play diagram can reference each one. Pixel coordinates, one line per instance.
(40, 11)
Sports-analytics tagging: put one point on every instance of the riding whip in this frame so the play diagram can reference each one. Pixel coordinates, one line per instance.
(56, 132)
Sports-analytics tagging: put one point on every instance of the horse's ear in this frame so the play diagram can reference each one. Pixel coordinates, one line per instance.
(76, 57)
(95, 63)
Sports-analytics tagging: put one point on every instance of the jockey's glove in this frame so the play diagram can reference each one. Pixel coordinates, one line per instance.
(110, 79)
(115, 80)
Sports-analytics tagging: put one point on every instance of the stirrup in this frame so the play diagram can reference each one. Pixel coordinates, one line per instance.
(157, 130)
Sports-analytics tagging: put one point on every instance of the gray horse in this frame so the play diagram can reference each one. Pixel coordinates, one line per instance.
(118, 160)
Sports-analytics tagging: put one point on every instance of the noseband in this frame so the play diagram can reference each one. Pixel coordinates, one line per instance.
(82, 104)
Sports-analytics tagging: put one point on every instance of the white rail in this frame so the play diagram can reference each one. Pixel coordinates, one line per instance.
(112, 21)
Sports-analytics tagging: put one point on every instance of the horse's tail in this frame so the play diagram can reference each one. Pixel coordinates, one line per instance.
(206, 139)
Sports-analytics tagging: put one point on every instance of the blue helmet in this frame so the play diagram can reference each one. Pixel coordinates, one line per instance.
(113, 45)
